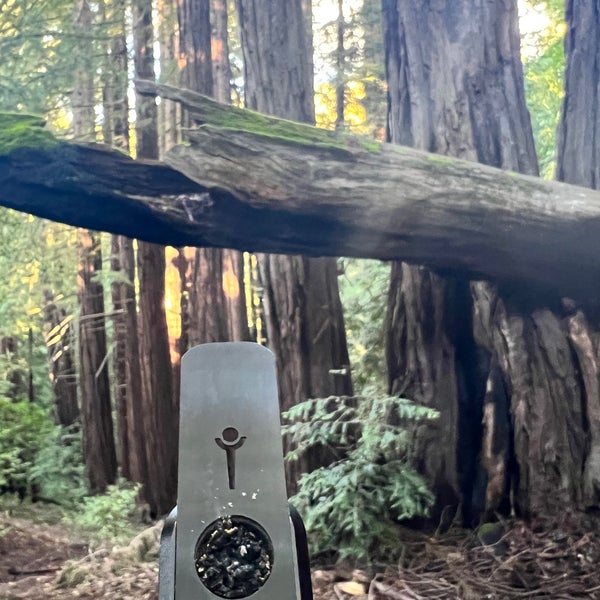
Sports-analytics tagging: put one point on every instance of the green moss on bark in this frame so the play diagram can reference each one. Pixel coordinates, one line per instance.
(248, 121)
(23, 131)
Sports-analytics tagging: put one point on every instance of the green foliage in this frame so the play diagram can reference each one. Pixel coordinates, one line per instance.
(36, 45)
(359, 68)
(351, 507)
(108, 516)
(363, 290)
(544, 74)
(35, 259)
(23, 428)
(58, 470)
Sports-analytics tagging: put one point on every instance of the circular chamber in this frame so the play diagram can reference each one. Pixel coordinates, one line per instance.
(234, 557)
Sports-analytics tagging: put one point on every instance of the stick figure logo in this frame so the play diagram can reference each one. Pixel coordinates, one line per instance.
(230, 442)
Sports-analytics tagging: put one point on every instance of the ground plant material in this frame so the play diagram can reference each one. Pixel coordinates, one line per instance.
(547, 558)
(234, 557)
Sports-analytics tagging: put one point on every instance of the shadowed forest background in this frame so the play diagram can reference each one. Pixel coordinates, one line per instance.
(407, 396)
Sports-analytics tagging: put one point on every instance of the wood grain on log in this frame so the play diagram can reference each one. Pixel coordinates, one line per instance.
(311, 192)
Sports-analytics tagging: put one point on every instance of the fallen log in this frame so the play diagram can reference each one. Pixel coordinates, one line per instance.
(246, 181)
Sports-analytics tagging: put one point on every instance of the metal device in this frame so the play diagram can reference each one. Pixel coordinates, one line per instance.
(232, 534)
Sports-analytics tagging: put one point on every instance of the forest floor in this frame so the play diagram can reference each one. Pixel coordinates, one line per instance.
(554, 559)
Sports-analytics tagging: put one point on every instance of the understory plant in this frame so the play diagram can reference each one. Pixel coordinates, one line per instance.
(24, 427)
(353, 505)
(108, 516)
(58, 470)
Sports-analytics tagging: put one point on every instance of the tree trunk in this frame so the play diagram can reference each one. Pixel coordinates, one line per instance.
(578, 162)
(82, 97)
(464, 96)
(221, 68)
(96, 412)
(304, 320)
(160, 409)
(60, 342)
(325, 195)
(159, 427)
(340, 63)
(98, 439)
(578, 147)
(126, 359)
(168, 111)
(216, 299)
(233, 260)
(18, 388)
(195, 45)
(128, 374)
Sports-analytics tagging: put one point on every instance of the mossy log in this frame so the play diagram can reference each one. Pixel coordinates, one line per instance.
(246, 181)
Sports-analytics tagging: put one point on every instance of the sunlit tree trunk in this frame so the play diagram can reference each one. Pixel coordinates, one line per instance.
(168, 41)
(221, 68)
(61, 343)
(98, 438)
(126, 359)
(82, 97)
(233, 261)
(304, 321)
(340, 60)
(217, 307)
(160, 414)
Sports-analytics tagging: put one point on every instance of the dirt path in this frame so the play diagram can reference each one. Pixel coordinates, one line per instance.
(39, 561)
(544, 559)
(31, 555)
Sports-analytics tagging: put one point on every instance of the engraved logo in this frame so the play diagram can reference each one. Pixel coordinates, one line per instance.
(230, 442)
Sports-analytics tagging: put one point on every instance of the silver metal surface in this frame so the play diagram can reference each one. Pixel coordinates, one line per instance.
(228, 393)
(166, 561)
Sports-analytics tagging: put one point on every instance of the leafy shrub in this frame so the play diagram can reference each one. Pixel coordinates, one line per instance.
(58, 470)
(351, 507)
(363, 290)
(23, 428)
(108, 516)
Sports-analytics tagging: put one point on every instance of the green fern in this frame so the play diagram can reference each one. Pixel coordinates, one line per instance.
(352, 507)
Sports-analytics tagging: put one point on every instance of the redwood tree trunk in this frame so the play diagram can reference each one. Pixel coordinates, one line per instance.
(578, 162)
(82, 97)
(60, 341)
(340, 63)
(503, 378)
(232, 260)
(168, 112)
(128, 376)
(216, 301)
(304, 321)
(98, 438)
(221, 68)
(126, 358)
(159, 424)
(96, 412)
